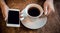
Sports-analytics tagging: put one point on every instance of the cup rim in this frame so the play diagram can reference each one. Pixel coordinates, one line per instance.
(37, 6)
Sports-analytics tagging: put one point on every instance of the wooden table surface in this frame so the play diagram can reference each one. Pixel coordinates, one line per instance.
(52, 25)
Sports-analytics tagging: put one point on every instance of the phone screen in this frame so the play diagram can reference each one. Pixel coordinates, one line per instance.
(13, 17)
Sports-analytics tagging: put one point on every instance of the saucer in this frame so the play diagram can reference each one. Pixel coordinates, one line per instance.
(33, 23)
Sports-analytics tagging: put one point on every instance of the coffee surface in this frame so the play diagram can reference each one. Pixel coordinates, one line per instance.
(33, 11)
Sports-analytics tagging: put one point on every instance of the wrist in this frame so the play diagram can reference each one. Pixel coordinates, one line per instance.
(50, 0)
(3, 3)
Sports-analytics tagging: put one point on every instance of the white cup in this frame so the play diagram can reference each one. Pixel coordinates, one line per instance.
(25, 11)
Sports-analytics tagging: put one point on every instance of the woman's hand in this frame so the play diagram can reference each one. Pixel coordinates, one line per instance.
(4, 8)
(48, 7)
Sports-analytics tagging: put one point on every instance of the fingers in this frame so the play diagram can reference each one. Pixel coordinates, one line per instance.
(48, 8)
(6, 12)
(4, 8)
(45, 9)
(52, 7)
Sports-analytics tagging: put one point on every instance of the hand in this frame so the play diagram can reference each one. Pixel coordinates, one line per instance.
(48, 7)
(4, 8)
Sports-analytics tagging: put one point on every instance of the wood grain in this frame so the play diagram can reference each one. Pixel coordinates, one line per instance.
(52, 25)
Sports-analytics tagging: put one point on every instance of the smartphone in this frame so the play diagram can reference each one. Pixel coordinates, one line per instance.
(13, 18)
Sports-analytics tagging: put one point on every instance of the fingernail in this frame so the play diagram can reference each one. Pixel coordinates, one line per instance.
(46, 12)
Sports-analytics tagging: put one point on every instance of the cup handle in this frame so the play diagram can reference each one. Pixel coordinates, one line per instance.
(22, 17)
(22, 14)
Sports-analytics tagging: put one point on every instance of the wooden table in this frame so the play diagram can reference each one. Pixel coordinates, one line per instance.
(52, 25)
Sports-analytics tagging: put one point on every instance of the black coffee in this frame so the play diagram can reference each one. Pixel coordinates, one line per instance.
(34, 12)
